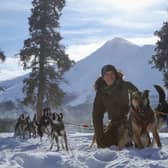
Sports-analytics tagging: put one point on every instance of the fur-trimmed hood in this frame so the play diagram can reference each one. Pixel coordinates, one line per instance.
(101, 86)
(100, 83)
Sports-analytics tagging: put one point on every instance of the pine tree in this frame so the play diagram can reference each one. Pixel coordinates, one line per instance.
(160, 59)
(44, 55)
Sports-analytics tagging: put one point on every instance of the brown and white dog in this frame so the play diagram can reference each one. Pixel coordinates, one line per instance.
(143, 119)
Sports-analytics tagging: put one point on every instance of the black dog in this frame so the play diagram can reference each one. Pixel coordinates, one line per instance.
(44, 124)
(162, 107)
(32, 127)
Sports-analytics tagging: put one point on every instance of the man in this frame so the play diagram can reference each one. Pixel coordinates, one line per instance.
(112, 97)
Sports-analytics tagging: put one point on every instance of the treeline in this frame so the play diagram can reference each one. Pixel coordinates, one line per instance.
(7, 125)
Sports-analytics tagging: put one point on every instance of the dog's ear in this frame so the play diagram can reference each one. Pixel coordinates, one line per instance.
(146, 96)
(22, 116)
(146, 93)
(61, 115)
(28, 118)
(130, 91)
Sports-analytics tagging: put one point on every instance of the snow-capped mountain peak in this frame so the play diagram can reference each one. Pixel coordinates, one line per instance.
(118, 41)
(131, 59)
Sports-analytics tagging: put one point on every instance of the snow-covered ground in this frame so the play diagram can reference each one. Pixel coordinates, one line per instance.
(31, 153)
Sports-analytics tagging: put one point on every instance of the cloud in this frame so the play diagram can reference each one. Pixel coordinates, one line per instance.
(78, 52)
(132, 5)
(121, 22)
(15, 6)
(113, 5)
(11, 69)
(143, 40)
(112, 17)
(81, 31)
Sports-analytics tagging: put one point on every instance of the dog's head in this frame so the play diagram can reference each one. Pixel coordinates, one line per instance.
(56, 117)
(61, 116)
(22, 117)
(139, 101)
(46, 111)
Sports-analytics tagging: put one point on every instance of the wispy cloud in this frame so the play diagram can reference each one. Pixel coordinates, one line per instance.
(124, 6)
(132, 5)
(78, 52)
(11, 68)
(143, 40)
(130, 18)
(120, 22)
(81, 31)
(15, 6)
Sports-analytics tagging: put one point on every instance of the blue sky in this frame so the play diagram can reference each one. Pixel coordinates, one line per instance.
(86, 24)
(92, 22)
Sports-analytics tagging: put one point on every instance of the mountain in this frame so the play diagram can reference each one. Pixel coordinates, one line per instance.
(129, 58)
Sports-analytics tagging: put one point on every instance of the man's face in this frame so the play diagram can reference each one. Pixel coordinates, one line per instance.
(109, 77)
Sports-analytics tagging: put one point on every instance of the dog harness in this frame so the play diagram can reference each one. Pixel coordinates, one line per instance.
(143, 118)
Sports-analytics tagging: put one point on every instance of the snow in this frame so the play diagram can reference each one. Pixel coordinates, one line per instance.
(11, 68)
(19, 153)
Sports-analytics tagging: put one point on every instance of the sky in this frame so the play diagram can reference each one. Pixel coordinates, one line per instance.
(85, 25)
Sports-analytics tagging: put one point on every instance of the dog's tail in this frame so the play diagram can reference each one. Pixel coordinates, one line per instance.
(162, 95)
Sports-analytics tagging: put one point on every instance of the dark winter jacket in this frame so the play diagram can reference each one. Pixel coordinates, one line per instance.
(114, 100)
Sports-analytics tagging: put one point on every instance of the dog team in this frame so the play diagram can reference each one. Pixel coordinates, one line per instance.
(50, 124)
